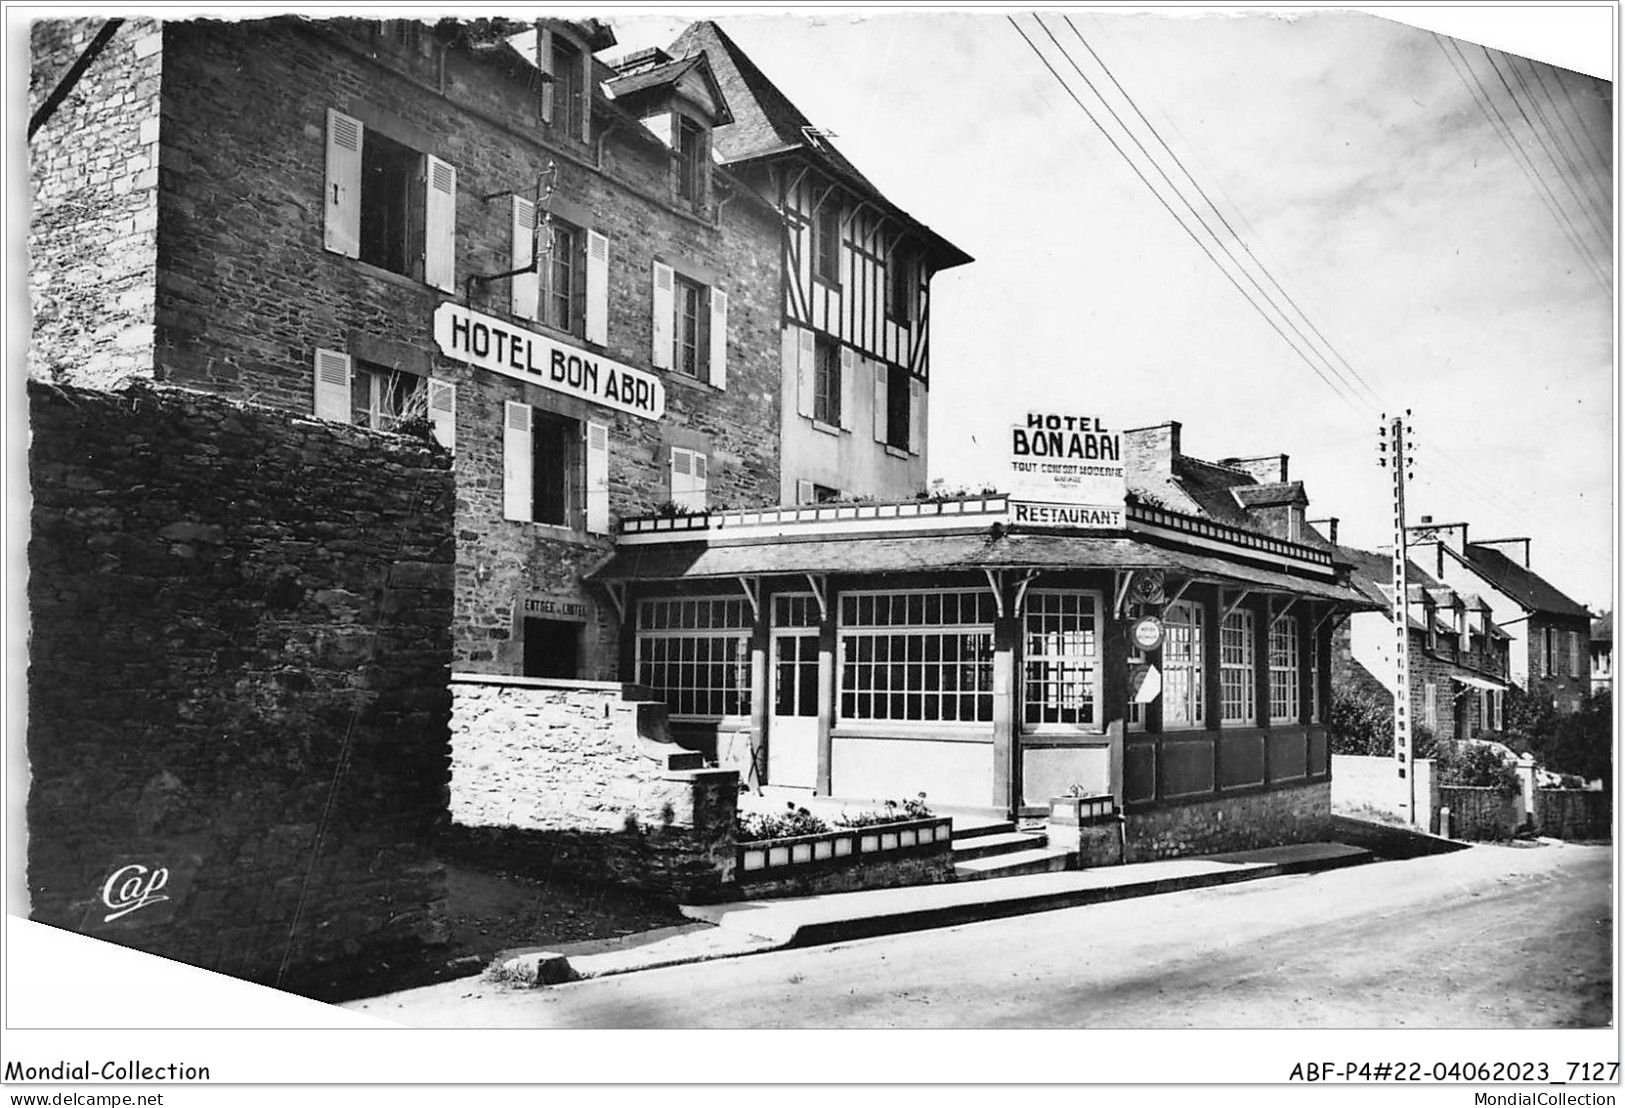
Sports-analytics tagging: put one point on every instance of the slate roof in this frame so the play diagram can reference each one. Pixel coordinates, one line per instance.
(1272, 495)
(1523, 585)
(766, 124)
(944, 552)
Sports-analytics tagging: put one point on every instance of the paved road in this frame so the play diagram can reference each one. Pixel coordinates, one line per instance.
(1493, 937)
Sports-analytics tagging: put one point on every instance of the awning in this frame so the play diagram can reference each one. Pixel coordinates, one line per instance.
(949, 552)
(1477, 682)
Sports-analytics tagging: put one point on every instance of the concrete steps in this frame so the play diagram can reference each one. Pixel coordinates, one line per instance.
(998, 849)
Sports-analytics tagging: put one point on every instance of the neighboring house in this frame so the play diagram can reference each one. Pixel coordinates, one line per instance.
(1602, 653)
(1457, 655)
(584, 274)
(1549, 655)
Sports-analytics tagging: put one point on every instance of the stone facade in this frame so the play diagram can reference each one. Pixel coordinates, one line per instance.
(94, 170)
(1242, 822)
(240, 631)
(577, 781)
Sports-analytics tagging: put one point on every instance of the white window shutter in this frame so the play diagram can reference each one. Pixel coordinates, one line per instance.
(597, 288)
(916, 415)
(719, 338)
(526, 287)
(880, 402)
(544, 62)
(701, 473)
(332, 385)
(660, 352)
(806, 369)
(660, 126)
(518, 463)
(443, 412)
(597, 478)
(343, 199)
(849, 375)
(440, 226)
(804, 492)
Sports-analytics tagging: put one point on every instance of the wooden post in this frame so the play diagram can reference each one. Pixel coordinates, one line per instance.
(1006, 716)
(826, 698)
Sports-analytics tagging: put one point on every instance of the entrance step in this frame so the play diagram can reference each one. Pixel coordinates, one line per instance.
(992, 845)
(965, 829)
(1020, 863)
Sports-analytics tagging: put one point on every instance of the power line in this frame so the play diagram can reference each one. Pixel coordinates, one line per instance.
(1168, 207)
(1604, 164)
(1595, 171)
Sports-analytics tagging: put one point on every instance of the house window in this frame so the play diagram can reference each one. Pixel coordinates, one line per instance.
(383, 398)
(899, 407)
(1183, 690)
(1284, 670)
(556, 446)
(561, 271)
(827, 242)
(1548, 643)
(1574, 653)
(913, 657)
(691, 159)
(1134, 714)
(827, 382)
(688, 299)
(899, 288)
(1238, 690)
(569, 88)
(1061, 683)
(811, 492)
(390, 235)
(695, 651)
(689, 474)
(1430, 706)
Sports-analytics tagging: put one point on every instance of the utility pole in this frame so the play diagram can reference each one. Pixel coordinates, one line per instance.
(1393, 453)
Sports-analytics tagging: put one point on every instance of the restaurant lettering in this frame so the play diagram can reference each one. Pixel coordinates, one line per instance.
(1066, 515)
(500, 347)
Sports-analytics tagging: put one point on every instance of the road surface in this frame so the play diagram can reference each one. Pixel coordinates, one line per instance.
(1492, 937)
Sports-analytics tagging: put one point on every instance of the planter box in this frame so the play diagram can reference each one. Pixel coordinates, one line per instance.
(1079, 811)
(767, 859)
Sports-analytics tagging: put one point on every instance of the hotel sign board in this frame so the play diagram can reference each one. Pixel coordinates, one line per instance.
(1066, 470)
(530, 356)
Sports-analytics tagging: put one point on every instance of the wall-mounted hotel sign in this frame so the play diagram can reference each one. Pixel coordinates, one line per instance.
(502, 347)
(1066, 471)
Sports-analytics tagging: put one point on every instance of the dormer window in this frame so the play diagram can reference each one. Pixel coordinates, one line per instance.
(692, 158)
(568, 88)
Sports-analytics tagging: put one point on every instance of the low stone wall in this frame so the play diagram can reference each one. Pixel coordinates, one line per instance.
(1574, 814)
(237, 711)
(847, 860)
(573, 780)
(1479, 814)
(1242, 822)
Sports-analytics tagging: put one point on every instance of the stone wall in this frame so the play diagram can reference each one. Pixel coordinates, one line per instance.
(94, 170)
(1574, 813)
(574, 780)
(237, 675)
(1243, 822)
(1479, 814)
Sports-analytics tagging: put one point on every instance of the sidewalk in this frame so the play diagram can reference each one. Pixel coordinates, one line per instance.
(754, 926)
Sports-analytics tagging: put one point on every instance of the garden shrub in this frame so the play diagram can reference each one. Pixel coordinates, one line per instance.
(1476, 765)
(1361, 722)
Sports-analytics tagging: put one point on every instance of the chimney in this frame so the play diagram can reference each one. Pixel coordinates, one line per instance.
(1328, 527)
(1269, 469)
(1149, 452)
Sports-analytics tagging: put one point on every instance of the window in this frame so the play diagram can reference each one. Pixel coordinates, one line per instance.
(568, 89)
(899, 407)
(1430, 706)
(555, 470)
(827, 242)
(1314, 680)
(1574, 653)
(688, 298)
(690, 327)
(827, 382)
(389, 205)
(691, 159)
(688, 479)
(1548, 643)
(911, 657)
(383, 398)
(1284, 670)
(1183, 689)
(696, 652)
(1238, 691)
(899, 288)
(561, 277)
(810, 492)
(1061, 682)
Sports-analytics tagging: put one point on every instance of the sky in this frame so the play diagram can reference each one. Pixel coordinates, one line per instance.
(1357, 159)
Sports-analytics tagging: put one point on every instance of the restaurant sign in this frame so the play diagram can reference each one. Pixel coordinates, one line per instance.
(1066, 471)
(539, 359)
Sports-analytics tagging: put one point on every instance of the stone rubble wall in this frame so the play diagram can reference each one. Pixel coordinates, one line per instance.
(1244, 821)
(240, 639)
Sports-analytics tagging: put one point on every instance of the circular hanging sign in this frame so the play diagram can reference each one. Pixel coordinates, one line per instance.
(1146, 633)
